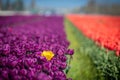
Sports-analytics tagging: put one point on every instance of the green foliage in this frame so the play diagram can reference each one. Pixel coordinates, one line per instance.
(90, 61)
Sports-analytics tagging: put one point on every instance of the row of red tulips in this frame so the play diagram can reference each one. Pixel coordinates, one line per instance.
(105, 30)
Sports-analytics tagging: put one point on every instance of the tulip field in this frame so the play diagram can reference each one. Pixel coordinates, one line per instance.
(104, 30)
(73, 47)
(33, 50)
(96, 41)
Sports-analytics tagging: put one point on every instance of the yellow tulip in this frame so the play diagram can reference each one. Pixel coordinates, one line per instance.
(48, 55)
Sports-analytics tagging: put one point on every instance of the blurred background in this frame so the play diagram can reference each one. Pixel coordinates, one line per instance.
(60, 7)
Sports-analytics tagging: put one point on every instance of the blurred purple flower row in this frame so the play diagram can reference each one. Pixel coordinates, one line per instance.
(21, 46)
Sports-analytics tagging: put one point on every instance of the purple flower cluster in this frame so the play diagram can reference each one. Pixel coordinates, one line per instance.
(21, 47)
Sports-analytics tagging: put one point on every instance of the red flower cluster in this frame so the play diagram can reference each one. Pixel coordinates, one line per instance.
(103, 29)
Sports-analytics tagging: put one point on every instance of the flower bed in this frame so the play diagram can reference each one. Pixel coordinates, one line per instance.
(103, 63)
(90, 61)
(35, 50)
(103, 29)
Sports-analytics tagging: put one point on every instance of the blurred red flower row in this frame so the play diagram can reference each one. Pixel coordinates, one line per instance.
(105, 30)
